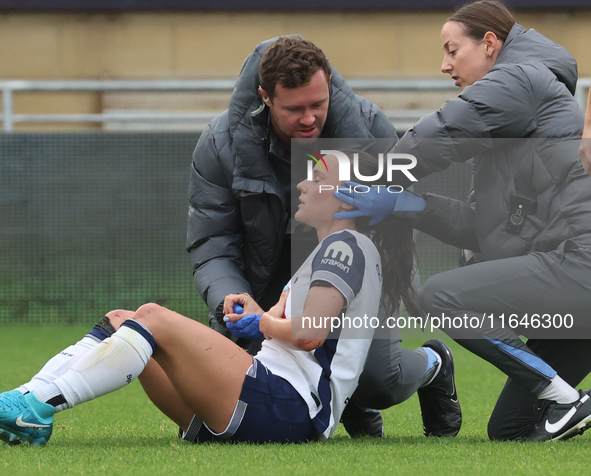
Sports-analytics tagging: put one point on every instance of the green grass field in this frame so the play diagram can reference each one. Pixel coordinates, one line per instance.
(122, 433)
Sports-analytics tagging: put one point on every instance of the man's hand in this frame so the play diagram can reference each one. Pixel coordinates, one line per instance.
(377, 202)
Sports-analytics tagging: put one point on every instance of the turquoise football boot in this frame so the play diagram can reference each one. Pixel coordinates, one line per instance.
(25, 418)
(6, 436)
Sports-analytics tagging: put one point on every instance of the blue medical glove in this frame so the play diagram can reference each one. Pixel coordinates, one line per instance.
(377, 203)
(247, 326)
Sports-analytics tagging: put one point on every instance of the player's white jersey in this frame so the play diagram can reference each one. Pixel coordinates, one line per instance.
(327, 377)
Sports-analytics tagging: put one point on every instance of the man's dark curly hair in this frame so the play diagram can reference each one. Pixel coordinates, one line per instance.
(291, 62)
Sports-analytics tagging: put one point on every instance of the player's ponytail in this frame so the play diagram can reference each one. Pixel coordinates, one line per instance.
(393, 238)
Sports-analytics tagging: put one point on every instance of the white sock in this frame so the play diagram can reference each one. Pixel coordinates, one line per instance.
(59, 364)
(111, 365)
(559, 391)
(433, 365)
(47, 392)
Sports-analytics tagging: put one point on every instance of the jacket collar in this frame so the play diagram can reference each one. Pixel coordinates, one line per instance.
(523, 46)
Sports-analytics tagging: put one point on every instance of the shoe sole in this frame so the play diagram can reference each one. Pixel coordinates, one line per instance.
(23, 437)
(578, 429)
(9, 438)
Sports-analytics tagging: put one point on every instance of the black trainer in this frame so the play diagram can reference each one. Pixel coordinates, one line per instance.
(561, 421)
(440, 408)
(359, 421)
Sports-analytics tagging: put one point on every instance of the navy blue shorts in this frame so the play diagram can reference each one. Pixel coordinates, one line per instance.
(269, 410)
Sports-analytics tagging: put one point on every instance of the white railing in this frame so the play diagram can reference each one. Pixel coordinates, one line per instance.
(9, 88)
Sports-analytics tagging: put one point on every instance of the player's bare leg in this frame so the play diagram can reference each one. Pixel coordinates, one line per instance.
(160, 391)
(156, 383)
(206, 369)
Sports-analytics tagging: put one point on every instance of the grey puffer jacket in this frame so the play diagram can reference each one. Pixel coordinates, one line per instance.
(521, 125)
(237, 213)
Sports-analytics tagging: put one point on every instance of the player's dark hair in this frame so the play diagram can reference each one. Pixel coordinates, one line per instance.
(291, 62)
(486, 15)
(393, 237)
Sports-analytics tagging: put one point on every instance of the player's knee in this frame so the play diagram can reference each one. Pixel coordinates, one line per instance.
(149, 313)
(118, 316)
(118, 313)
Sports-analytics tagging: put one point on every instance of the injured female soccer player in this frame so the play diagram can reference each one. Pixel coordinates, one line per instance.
(294, 390)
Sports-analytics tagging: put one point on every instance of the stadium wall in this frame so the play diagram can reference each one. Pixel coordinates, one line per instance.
(169, 45)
